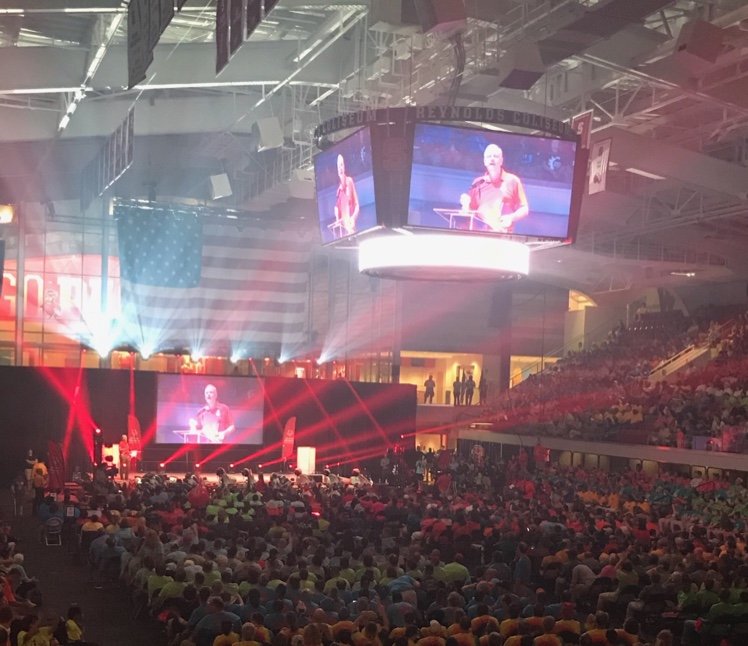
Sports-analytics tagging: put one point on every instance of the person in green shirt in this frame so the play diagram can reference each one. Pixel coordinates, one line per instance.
(707, 597)
(157, 580)
(172, 589)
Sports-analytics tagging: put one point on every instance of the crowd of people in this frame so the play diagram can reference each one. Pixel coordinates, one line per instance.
(25, 620)
(594, 394)
(474, 552)
(447, 548)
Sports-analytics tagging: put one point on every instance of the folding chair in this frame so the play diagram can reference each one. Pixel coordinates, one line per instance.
(53, 531)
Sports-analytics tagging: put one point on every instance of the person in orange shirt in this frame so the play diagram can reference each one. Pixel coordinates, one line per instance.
(536, 621)
(629, 634)
(368, 636)
(248, 635)
(461, 633)
(483, 621)
(433, 635)
(518, 639)
(548, 637)
(567, 624)
(510, 626)
(596, 633)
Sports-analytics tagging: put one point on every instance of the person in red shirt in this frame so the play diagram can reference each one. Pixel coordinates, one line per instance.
(346, 202)
(497, 196)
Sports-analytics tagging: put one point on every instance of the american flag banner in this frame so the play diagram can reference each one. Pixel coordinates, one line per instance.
(195, 282)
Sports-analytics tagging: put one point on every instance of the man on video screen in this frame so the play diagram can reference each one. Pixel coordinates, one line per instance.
(346, 203)
(214, 419)
(498, 197)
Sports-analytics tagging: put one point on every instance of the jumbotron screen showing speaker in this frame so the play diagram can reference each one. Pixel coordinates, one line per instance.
(192, 409)
(485, 181)
(344, 179)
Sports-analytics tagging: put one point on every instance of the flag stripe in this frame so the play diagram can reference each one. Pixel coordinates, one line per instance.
(275, 266)
(228, 284)
(278, 301)
(240, 316)
(200, 306)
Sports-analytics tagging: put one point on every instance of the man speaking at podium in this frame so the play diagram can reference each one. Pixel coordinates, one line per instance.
(214, 419)
(346, 200)
(498, 196)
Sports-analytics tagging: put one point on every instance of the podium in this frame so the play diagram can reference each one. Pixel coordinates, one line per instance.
(190, 436)
(336, 228)
(456, 218)
(306, 459)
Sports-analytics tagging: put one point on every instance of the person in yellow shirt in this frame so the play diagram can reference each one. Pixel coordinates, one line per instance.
(73, 626)
(227, 637)
(40, 481)
(35, 632)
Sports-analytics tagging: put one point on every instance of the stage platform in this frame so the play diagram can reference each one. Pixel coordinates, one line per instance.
(210, 477)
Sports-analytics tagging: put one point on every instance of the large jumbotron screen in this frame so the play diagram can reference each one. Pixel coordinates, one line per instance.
(344, 177)
(491, 182)
(193, 409)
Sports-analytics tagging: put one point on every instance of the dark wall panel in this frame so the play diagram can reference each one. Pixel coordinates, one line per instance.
(344, 420)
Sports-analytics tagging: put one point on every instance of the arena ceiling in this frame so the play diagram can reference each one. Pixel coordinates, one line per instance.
(676, 109)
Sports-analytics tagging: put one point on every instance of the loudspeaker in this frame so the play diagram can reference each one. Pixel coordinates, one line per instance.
(396, 16)
(269, 132)
(521, 67)
(98, 447)
(500, 311)
(698, 46)
(444, 17)
(301, 185)
(220, 186)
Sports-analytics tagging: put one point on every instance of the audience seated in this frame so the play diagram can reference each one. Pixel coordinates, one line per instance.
(466, 550)
(507, 554)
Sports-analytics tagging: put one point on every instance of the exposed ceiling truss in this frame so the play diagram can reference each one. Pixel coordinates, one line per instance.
(312, 58)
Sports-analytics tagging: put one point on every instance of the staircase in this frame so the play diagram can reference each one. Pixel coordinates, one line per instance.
(696, 355)
(693, 355)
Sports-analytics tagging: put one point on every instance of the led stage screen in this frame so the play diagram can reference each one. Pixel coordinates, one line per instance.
(193, 409)
(491, 182)
(344, 179)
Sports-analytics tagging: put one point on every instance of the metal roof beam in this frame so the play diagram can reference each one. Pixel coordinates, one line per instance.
(686, 166)
(190, 65)
(20, 7)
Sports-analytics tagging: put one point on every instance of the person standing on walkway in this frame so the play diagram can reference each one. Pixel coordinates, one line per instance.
(40, 481)
(469, 389)
(457, 391)
(430, 386)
